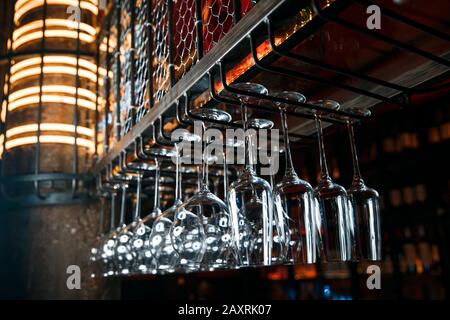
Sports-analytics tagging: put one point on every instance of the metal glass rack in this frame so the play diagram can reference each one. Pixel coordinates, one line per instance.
(250, 43)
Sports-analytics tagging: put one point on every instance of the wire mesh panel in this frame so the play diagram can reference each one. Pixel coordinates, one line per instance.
(160, 54)
(104, 121)
(218, 17)
(184, 36)
(246, 5)
(126, 61)
(161, 43)
(114, 93)
(142, 72)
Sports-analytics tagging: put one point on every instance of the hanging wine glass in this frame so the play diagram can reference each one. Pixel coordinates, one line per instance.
(126, 250)
(107, 249)
(143, 260)
(279, 225)
(122, 255)
(333, 202)
(160, 243)
(250, 201)
(365, 203)
(96, 250)
(201, 232)
(294, 200)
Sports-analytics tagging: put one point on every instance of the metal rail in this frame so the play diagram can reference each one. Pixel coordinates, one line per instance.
(242, 34)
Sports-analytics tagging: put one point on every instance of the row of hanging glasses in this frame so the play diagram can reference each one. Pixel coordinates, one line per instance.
(257, 223)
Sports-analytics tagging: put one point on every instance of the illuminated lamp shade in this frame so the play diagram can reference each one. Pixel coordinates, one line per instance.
(30, 96)
(50, 22)
(49, 139)
(31, 100)
(24, 6)
(49, 127)
(57, 59)
(71, 71)
(57, 33)
(63, 80)
(53, 89)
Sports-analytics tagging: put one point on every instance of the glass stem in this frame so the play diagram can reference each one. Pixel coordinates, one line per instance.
(247, 140)
(204, 184)
(356, 173)
(323, 161)
(199, 177)
(113, 212)
(156, 195)
(271, 178)
(289, 165)
(225, 174)
(177, 175)
(123, 205)
(137, 211)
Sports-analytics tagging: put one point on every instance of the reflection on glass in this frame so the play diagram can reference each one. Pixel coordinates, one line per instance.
(250, 201)
(294, 201)
(333, 203)
(365, 203)
(201, 232)
(160, 242)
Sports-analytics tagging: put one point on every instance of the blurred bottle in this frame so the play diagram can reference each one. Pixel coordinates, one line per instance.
(444, 127)
(423, 228)
(408, 137)
(434, 131)
(409, 248)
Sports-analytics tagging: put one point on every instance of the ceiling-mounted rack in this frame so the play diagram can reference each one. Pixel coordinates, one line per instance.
(266, 40)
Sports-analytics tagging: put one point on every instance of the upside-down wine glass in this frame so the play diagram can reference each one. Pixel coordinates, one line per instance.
(107, 253)
(126, 249)
(160, 242)
(122, 254)
(365, 202)
(333, 202)
(250, 201)
(96, 250)
(294, 199)
(201, 232)
(143, 259)
(279, 224)
(109, 248)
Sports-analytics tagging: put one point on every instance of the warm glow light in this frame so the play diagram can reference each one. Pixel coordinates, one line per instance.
(56, 70)
(2, 139)
(60, 33)
(3, 114)
(39, 24)
(13, 143)
(84, 63)
(54, 89)
(49, 127)
(50, 98)
(304, 17)
(112, 44)
(22, 7)
(52, 64)
(20, 3)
